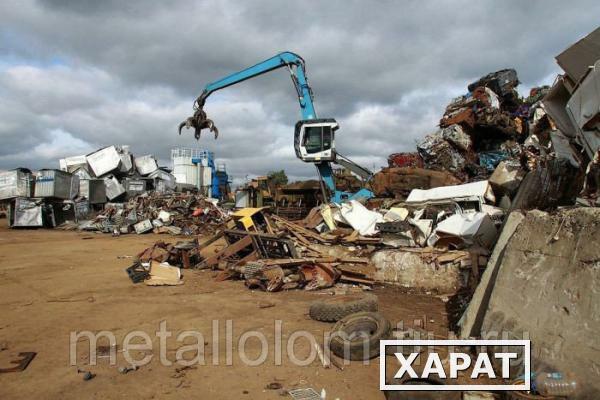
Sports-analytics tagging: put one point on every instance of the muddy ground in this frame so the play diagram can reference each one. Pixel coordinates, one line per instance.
(54, 282)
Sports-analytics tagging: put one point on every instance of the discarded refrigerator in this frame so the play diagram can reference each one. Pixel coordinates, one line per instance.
(16, 183)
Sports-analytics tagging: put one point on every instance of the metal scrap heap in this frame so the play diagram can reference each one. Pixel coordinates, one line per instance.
(174, 213)
(491, 133)
(267, 252)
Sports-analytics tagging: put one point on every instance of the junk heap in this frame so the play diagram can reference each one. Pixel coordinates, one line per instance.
(494, 210)
(438, 211)
(108, 190)
(173, 212)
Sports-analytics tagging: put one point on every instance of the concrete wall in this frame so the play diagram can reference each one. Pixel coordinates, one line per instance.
(548, 285)
(470, 324)
(409, 269)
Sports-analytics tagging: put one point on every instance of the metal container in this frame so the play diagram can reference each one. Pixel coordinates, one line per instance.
(184, 170)
(126, 165)
(242, 199)
(82, 210)
(26, 213)
(134, 187)
(53, 183)
(205, 180)
(70, 164)
(104, 161)
(163, 181)
(63, 211)
(74, 186)
(145, 165)
(143, 226)
(16, 183)
(113, 187)
(93, 190)
(82, 173)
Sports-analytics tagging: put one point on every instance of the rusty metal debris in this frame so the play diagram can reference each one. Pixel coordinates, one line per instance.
(284, 259)
(21, 363)
(173, 213)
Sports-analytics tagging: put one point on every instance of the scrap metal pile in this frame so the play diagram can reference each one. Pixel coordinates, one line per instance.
(83, 185)
(173, 212)
(437, 212)
(335, 244)
(267, 252)
(548, 141)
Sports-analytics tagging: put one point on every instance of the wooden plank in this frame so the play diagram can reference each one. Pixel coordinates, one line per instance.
(227, 252)
(347, 278)
(300, 229)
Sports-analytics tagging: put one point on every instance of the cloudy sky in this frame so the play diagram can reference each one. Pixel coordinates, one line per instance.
(79, 75)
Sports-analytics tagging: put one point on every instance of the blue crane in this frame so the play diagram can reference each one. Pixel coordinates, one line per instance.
(313, 137)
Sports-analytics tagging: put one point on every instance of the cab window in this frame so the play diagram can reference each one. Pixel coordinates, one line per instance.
(326, 137)
(317, 138)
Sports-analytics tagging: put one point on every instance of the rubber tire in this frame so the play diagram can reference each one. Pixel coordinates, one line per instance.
(377, 326)
(336, 308)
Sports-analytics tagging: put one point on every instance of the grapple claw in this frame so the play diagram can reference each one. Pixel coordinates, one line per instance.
(199, 121)
(181, 125)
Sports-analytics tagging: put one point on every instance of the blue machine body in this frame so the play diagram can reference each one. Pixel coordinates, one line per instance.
(218, 178)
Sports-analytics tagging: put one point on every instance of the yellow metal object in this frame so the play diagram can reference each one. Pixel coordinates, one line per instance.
(246, 217)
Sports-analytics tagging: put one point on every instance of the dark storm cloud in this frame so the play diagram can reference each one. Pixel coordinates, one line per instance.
(79, 74)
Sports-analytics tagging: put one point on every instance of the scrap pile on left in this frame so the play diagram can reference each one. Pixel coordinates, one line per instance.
(82, 186)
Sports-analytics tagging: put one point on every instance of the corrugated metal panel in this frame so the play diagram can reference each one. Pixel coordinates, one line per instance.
(53, 183)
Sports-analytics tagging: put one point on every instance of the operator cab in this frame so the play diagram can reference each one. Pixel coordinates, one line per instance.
(314, 139)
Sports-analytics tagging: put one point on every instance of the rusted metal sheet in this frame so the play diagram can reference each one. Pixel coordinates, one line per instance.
(405, 160)
(398, 182)
(319, 276)
(21, 363)
(463, 116)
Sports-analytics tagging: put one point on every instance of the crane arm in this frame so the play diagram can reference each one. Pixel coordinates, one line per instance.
(295, 65)
(292, 61)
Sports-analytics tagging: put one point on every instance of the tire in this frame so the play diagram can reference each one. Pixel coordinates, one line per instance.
(336, 308)
(356, 337)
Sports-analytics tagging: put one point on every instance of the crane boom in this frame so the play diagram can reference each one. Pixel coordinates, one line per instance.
(313, 137)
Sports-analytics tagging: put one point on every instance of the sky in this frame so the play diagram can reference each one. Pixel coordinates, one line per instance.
(76, 76)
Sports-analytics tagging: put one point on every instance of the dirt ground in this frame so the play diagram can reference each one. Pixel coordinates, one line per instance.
(54, 282)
